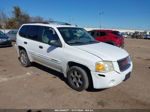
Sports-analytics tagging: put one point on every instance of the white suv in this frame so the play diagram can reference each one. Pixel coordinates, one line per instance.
(73, 52)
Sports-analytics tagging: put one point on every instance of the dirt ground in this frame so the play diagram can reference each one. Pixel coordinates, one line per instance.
(38, 87)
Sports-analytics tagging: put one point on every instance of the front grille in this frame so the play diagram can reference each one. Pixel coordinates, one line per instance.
(124, 64)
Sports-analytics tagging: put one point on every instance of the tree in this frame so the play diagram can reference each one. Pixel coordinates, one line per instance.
(1, 26)
(3, 19)
(25, 18)
(37, 19)
(11, 24)
(18, 18)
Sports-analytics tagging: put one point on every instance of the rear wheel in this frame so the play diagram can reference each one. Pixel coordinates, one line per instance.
(77, 78)
(24, 58)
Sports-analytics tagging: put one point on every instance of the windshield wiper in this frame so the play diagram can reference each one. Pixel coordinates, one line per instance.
(78, 43)
(83, 43)
(90, 42)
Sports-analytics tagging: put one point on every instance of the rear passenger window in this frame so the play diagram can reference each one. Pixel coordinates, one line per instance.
(32, 32)
(22, 31)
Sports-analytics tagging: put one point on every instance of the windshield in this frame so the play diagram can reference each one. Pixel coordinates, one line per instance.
(2, 34)
(76, 36)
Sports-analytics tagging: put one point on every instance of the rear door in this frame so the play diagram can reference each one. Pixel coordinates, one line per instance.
(32, 41)
(21, 38)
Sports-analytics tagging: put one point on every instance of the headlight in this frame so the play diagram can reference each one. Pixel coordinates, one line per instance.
(2, 40)
(105, 66)
(129, 59)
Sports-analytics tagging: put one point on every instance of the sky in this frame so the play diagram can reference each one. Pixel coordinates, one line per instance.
(119, 14)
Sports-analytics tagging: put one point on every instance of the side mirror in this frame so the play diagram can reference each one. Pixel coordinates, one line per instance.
(56, 43)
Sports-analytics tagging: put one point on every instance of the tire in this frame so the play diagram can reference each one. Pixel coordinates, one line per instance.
(77, 78)
(24, 60)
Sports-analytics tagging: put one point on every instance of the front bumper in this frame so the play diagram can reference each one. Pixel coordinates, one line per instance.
(5, 43)
(110, 79)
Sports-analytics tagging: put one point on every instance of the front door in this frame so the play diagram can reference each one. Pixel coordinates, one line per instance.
(51, 55)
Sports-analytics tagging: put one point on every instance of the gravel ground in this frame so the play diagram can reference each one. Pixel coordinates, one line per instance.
(38, 87)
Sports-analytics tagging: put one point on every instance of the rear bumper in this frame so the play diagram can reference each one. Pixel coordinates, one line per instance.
(111, 79)
(17, 50)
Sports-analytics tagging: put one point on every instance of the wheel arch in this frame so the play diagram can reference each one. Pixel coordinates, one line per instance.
(22, 48)
(87, 70)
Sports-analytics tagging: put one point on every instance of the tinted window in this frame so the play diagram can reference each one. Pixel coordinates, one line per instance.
(47, 34)
(12, 32)
(117, 33)
(32, 32)
(22, 31)
(93, 33)
(2, 34)
(101, 34)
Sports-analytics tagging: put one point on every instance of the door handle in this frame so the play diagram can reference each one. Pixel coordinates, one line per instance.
(25, 42)
(41, 47)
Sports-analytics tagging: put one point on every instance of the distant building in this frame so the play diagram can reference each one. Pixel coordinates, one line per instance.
(120, 30)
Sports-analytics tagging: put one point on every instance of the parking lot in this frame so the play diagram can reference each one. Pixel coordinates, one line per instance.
(39, 87)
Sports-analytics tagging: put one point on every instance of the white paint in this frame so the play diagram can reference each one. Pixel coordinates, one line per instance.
(88, 55)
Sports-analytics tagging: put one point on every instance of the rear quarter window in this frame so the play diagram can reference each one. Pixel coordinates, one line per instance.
(29, 31)
(117, 33)
(22, 31)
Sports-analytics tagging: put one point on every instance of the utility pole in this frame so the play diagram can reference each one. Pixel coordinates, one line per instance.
(100, 17)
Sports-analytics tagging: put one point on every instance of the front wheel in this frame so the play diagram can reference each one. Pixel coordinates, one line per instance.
(77, 78)
(24, 58)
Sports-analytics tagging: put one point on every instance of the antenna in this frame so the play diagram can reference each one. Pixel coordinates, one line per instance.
(100, 17)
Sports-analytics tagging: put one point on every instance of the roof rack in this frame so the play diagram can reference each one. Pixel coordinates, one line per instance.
(52, 22)
(39, 22)
(59, 23)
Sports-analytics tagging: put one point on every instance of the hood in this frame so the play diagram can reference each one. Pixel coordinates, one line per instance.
(104, 51)
(3, 36)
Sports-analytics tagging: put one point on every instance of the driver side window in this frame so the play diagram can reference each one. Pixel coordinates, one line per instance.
(48, 34)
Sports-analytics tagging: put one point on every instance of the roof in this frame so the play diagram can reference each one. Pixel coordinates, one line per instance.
(104, 30)
(54, 24)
